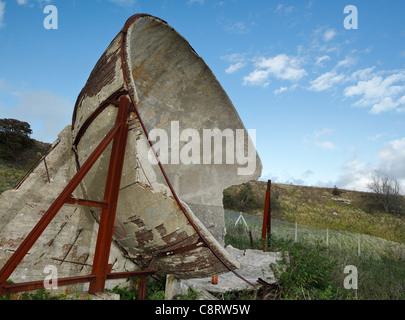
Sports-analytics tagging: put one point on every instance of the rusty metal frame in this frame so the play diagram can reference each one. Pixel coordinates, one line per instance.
(266, 228)
(101, 270)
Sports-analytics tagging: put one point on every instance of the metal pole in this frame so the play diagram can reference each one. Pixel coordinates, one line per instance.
(266, 216)
(358, 247)
(111, 193)
(269, 217)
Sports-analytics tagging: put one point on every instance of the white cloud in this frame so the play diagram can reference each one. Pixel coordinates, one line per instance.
(29, 2)
(237, 61)
(257, 78)
(379, 93)
(326, 81)
(234, 67)
(2, 12)
(376, 137)
(322, 133)
(325, 145)
(281, 67)
(281, 90)
(357, 175)
(320, 60)
(362, 74)
(318, 139)
(347, 62)
(285, 89)
(282, 9)
(385, 105)
(393, 157)
(124, 3)
(201, 2)
(239, 27)
(329, 35)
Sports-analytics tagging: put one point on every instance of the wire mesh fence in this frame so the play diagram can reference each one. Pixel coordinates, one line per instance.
(354, 243)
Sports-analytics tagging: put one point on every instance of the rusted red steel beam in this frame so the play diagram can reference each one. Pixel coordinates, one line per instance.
(109, 101)
(266, 216)
(87, 203)
(268, 226)
(111, 193)
(36, 232)
(36, 285)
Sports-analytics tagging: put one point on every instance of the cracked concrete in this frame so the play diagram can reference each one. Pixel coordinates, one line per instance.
(169, 82)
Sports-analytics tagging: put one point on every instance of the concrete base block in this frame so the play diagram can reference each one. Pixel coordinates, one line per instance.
(255, 264)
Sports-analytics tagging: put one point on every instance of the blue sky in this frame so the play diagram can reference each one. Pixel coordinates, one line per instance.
(328, 103)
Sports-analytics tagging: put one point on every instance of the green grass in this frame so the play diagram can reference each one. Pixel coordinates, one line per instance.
(341, 240)
(320, 208)
(316, 271)
(12, 171)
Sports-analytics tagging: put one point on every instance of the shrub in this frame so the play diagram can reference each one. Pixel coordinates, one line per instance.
(309, 268)
(336, 191)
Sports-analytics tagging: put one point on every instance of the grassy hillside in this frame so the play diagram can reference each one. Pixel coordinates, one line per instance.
(358, 235)
(318, 207)
(12, 171)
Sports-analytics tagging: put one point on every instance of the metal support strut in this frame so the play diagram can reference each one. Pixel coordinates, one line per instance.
(266, 229)
(101, 270)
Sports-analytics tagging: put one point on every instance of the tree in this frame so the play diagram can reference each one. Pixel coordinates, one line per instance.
(386, 192)
(14, 137)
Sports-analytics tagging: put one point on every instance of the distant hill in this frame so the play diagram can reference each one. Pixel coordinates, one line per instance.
(335, 209)
(341, 210)
(13, 170)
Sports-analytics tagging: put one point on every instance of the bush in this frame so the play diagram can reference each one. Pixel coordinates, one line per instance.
(229, 201)
(309, 269)
(245, 200)
(336, 191)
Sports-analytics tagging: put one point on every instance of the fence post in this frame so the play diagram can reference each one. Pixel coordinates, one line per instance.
(358, 247)
(266, 228)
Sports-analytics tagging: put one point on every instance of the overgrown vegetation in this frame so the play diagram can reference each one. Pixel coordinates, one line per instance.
(18, 152)
(313, 271)
(319, 207)
(245, 198)
(155, 289)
